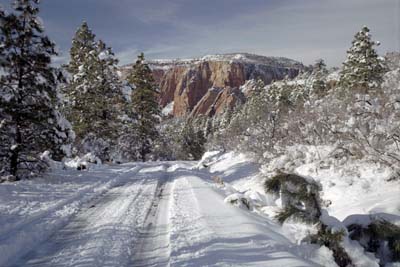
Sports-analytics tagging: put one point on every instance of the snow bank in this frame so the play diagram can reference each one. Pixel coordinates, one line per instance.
(354, 191)
(83, 162)
(207, 232)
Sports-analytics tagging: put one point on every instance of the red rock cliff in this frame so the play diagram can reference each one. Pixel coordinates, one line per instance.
(187, 83)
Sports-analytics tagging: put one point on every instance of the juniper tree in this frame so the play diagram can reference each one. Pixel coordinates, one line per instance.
(94, 94)
(145, 105)
(363, 69)
(30, 120)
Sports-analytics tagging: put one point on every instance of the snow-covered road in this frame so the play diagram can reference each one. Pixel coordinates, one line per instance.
(154, 214)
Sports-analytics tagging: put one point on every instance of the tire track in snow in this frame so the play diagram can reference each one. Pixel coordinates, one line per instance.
(153, 245)
(101, 235)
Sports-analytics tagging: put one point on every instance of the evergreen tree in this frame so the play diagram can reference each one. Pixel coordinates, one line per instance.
(193, 141)
(128, 146)
(82, 44)
(319, 75)
(30, 122)
(145, 105)
(94, 94)
(363, 69)
(76, 91)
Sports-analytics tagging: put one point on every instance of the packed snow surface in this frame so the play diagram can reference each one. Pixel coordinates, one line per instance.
(208, 213)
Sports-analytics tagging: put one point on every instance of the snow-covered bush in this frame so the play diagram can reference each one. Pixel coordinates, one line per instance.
(332, 240)
(313, 109)
(181, 139)
(83, 163)
(299, 197)
(378, 236)
(300, 200)
(94, 145)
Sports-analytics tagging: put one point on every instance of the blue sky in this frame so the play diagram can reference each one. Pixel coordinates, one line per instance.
(300, 29)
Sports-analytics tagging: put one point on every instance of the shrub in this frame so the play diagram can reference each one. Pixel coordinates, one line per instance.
(375, 235)
(326, 237)
(301, 201)
(300, 197)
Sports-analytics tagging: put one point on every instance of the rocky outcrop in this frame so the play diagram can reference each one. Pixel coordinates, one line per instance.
(210, 84)
(216, 100)
(196, 81)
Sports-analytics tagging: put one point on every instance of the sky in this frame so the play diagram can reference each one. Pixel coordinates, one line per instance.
(304, 30)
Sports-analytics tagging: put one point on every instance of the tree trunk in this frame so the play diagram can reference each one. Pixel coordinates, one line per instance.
(143, 154)
(15, 155)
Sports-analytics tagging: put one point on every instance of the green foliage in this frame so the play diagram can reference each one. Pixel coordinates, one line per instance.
(82, 44)
(94, 94)
(284, 96)
(373, 236)
(319, 75)
(326, 237)
(30, 122)
(193, 141)
(301, 201)
(300, 197)
(145, 105)
(291, 211)
(363, 70)
(273, 185)
(182, 139)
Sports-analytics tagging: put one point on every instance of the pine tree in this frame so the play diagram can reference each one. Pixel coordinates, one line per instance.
(128, 146)
(76, 91)
(363, 70)
(82, 44)
(145, 105)
(94, 95)
(30, 122)
(319, 74)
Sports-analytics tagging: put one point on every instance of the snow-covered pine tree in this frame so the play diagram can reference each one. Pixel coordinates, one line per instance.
(319, 75)
(145, 104)
(76, 90)
(361, 93)
(94, 95)
(128, 147)
(108, 104)
(30, 122)
(82, 44)
(363, 69)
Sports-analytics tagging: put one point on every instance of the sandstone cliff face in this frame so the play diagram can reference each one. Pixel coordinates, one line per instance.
(210, 84)
(196, 81)
(216, 100)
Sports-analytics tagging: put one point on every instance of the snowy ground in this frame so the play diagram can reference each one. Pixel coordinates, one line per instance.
(158, 214)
